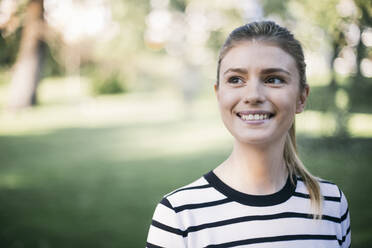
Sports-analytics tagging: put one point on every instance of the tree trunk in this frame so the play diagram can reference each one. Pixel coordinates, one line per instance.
(26, 74)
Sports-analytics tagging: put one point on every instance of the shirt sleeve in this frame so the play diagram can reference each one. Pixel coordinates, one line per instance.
(165, 229)
(345, 222)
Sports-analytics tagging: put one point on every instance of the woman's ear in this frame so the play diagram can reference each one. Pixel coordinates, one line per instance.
(300, 105)
(215, 88)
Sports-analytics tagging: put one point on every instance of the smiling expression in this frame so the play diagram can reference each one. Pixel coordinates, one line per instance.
(259, 92)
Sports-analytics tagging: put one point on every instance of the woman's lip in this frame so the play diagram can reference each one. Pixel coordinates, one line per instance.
(255, 122)
(253, 112)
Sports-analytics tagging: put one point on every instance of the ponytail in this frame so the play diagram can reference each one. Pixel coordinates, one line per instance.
(296, 168)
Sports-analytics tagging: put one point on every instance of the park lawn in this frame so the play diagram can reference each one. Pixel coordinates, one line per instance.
(97, 185)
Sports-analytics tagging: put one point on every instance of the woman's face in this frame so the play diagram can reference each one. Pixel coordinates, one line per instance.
(258, 92)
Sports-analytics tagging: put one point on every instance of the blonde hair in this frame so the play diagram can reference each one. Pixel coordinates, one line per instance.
(267, 31)
(296, 167)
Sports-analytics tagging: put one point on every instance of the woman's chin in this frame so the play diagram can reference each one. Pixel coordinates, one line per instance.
(256, 139)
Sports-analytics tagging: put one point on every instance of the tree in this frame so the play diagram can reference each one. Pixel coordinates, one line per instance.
(27, 68)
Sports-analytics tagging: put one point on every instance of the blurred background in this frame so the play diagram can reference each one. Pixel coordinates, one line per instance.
(107, 105)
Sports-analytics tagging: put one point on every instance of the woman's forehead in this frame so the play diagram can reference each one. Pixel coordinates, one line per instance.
(256, 56)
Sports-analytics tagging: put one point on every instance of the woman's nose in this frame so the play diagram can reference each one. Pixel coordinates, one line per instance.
(253, 92)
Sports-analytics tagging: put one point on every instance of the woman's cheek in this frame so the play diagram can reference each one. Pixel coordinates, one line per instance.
(227, 100)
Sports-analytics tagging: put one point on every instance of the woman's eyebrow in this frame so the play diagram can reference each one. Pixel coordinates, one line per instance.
(238, 70)
(273, 70)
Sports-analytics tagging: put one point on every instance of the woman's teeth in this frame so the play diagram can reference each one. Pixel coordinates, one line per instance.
(255, 117)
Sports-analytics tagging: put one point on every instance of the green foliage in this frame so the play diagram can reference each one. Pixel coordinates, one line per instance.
(278, 7)
(9, 48)
(321, 98)
(179, 5)
(324, 14)
(51, 65)
(360, 95)
(215, 41)
(110, 84)
(365, 7)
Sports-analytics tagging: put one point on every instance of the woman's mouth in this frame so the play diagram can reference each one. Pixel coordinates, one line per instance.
(254, 115)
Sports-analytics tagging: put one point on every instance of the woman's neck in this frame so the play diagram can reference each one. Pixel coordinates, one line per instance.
(253, 169)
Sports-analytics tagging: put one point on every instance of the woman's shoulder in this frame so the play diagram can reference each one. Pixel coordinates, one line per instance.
(329, 190)
(196, 192)
(199, 183)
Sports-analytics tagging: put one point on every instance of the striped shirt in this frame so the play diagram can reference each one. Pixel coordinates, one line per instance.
(209, 213)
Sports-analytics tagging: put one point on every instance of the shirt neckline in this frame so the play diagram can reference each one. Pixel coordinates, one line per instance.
(252, 200)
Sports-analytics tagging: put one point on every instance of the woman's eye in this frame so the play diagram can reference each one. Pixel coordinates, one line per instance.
(234, 80)
(274, 80)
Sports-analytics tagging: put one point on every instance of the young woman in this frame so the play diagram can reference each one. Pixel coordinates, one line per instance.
(262, 195)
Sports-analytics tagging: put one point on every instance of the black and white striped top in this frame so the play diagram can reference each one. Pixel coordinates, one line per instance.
(209, 213)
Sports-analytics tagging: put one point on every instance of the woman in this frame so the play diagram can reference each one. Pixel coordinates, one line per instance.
(262, 195)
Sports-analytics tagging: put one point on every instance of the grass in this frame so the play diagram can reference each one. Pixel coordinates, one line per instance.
(90, 174)
(71, 189)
